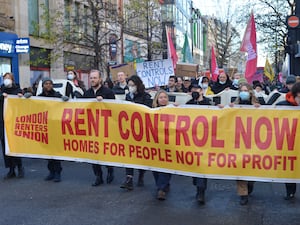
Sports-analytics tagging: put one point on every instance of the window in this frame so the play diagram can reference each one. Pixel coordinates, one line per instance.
(33, 16)
(67, 21)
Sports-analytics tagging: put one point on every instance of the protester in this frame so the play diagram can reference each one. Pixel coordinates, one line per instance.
(204, 84)
(260, 93)
(171, 87)
(9, 87)
(179, 84)
(223, 83)
(186, 84)
(235, 81)
(100, 92)
(245, 97)
(137, 95)
(54, 166)
(290, 81)
(121, 87)
(108, 83)
(292, 98)
(72, 76)
(199, 99)
(162, 180)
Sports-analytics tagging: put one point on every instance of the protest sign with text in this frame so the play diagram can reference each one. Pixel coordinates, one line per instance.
(155, 73)
(230, 143)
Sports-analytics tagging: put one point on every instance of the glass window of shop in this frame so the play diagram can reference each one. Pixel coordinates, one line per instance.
(5, 65)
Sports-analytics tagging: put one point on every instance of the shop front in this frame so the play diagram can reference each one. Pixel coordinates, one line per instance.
(8, 56)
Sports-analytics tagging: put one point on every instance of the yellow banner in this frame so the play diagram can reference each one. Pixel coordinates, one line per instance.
(230, 143)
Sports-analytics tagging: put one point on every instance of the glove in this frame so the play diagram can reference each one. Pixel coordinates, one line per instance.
(65, 98)
(27, 95)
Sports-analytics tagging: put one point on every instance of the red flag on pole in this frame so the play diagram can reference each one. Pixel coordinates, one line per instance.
(249, 46)
(171, 48)
(214, 66)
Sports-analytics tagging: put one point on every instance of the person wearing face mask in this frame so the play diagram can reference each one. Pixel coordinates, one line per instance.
(292, 98)
(72, 76)
(137, 95)
(223, 83)
(199, 99)
(9, 87)
(79, 88)
(204, 84)
(235, 81)
(246, 96)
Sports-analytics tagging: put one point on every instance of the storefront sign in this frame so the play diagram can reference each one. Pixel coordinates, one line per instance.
(22, 45)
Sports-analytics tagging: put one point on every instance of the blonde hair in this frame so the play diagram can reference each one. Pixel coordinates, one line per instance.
(155, 99)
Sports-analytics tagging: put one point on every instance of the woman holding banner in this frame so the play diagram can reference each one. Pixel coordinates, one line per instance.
(246, 96)
(162, 180)
(9, 87)
(137, 95)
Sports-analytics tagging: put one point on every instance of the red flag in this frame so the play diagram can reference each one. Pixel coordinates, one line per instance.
(214, 65)
(171, 49)
(249, 46)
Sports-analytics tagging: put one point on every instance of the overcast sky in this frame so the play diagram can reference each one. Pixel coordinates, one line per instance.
(212, 8)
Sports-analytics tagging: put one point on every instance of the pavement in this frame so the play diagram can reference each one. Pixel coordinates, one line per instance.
(73, 201)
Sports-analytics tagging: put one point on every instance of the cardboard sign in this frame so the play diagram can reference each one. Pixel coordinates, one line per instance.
(155, 73)
(126, 68)
(187, 69)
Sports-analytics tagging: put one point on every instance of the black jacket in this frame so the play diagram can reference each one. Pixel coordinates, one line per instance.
(118, 90)
(205, 101)
(140, 98)
(104, 92)
(51, 93)
(217, 87)
(14, 90)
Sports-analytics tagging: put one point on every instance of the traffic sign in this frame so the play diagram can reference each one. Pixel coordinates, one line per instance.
(293, 21)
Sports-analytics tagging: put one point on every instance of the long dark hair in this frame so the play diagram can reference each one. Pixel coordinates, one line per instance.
(140, 87)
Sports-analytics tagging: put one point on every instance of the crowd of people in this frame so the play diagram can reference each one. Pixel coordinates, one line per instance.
(199, 87)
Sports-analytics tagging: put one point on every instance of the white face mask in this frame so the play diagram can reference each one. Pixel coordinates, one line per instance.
(204, 86)
(7, 82)
(70, 76)
(132, 89)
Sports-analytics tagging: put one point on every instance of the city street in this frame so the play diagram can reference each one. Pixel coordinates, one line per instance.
(73, 201)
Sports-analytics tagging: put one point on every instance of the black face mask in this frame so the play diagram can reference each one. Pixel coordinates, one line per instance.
(195, 95)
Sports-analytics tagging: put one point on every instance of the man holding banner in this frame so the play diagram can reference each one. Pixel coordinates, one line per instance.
(54, 166)
(100, 92)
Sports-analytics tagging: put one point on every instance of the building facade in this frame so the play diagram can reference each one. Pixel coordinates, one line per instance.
(183, 18)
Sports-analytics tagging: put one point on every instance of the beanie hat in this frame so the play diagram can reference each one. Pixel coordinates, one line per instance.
(290, 79)
(45, 79)
(242, 80)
